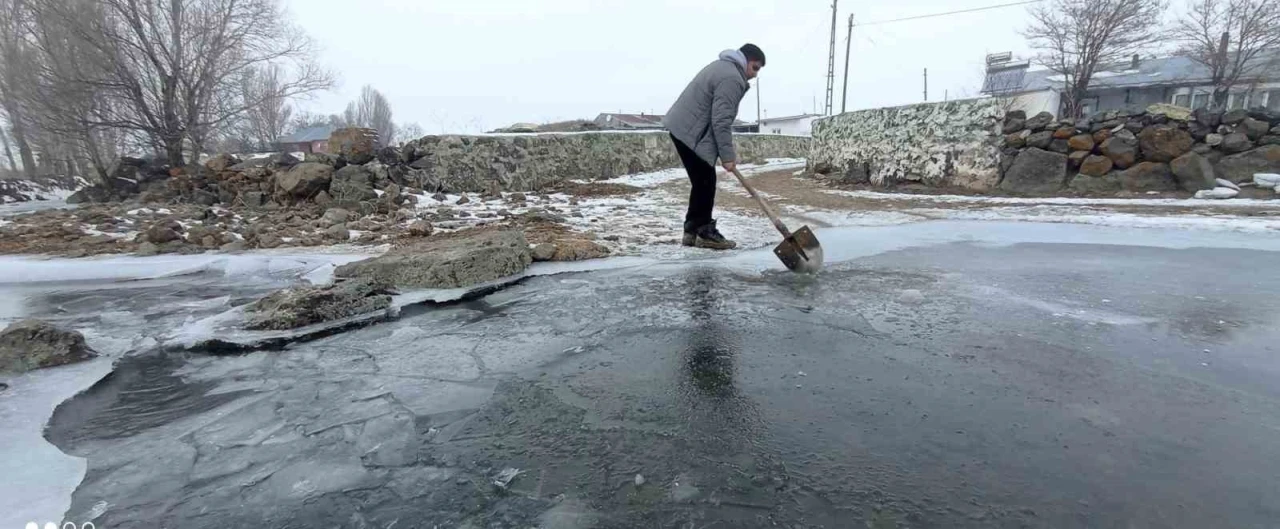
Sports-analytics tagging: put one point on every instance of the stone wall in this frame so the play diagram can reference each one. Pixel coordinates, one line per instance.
(1160, 149)
(939, 144)
(976, 145)
(528, 162)
(352, 176)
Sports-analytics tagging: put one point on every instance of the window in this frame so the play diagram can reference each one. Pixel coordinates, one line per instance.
(1236, 101)
(1182, 100)
(1258, 99)
(1273, 100)
(1200, 100)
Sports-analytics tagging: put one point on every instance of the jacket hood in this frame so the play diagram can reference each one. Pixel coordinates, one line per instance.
(737, 58)
(734, 55)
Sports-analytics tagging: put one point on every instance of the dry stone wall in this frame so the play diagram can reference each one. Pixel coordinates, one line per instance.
(939, 144)
(975, 145)
(529, 162)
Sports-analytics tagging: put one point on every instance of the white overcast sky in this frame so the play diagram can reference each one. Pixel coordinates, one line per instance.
(474, 65)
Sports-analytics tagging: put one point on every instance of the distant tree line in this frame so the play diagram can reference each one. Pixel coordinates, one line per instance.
(84, 81)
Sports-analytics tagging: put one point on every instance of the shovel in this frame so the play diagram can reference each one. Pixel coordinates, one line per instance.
(799, 251)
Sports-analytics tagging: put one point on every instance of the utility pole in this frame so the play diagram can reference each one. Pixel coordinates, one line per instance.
(926, 85)
(848, 44)
(758, 104)
(831, 61)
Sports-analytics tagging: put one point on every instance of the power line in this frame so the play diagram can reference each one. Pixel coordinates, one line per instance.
(971, 10)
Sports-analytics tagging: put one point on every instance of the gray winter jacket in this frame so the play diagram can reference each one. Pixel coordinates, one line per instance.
(702, 118)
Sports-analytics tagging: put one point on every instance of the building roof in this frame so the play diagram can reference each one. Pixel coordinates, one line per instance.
(634, 120)
(791, 118)
(1161, 71)
(308, 134)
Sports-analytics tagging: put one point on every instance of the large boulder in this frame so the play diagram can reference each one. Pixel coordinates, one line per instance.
(276, 161)
(1235, 116)
(221, 162)
(1039, 121)
(1208, 118)
(1235, 142)
(1096, 185)
(1014, 121)
(1193, 172)
(1040, 140)
(1036, 171)
(1253, 128)
(162, 232)
(1095, 165)
(1148, 176)
(1241, 167)
(355, 145)
(1173, 112)
(352, 184)
(304, 181)
(301, 306)
(1081, 142)
(33, 344)
(454, 262)
(1163, 143)
(1122, 148)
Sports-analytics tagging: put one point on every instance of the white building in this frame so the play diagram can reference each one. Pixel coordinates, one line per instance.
(1137, 83)
(800, 125)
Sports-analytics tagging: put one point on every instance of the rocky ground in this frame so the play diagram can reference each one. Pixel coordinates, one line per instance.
(630, 215)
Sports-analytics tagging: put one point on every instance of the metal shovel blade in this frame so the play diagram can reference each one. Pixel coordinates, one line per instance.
(800, 252)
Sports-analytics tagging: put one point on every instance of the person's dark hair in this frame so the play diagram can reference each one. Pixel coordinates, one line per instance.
(752, 53)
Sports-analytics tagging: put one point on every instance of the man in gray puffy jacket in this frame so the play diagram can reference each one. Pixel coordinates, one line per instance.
(701, 125)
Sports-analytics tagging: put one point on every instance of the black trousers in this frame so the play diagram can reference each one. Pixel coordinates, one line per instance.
(702, 196)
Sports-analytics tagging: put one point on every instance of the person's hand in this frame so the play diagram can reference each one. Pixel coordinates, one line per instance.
(730, 166)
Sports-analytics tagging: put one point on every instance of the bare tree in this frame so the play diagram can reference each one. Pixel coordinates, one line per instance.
(371, 110)
(1076, 38)
(304, 119)
(174, 67)
(8, 151)
(268, 120)
(410, 132)
(15, 63)
(1234, 39)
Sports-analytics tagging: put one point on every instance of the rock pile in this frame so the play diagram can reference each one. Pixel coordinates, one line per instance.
(33, 344)
(357, 177)
(1161, 149)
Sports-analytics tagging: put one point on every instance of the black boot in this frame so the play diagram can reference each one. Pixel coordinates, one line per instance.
(690, 234)
(708, 236)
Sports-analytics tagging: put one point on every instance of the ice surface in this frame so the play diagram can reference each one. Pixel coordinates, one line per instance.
(39, 478)
(21, 269)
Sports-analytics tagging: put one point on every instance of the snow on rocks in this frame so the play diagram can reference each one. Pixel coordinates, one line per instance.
(1217, 193)
(1271, 180)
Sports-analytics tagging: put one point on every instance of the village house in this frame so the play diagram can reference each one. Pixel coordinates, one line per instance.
(1137, 83)
(801, 125)
(306, 140)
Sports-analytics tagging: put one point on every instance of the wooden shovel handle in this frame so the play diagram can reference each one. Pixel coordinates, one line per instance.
(768, 210)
